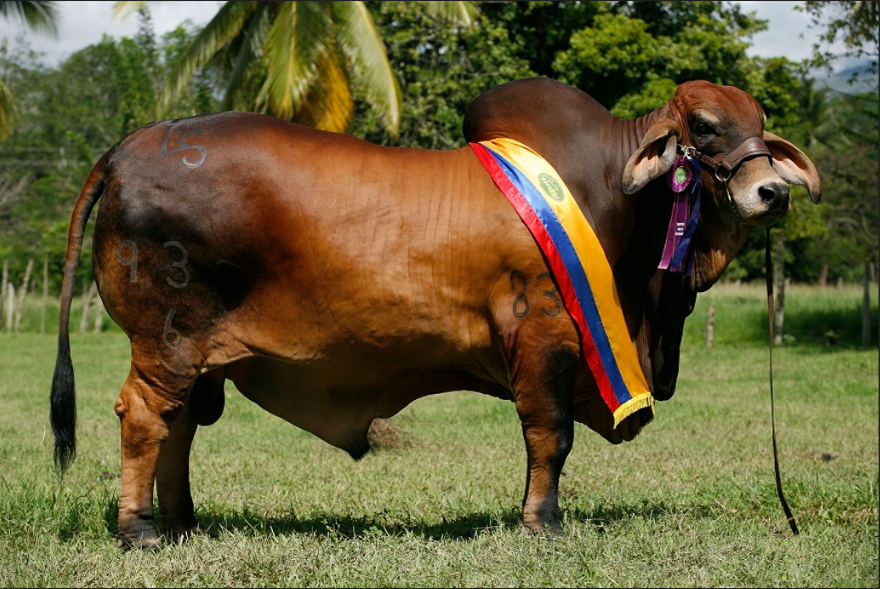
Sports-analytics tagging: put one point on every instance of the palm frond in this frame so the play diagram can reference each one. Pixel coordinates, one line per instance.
(296, 42)
(7, 110)
(125, 8)
(357, 33)
(463, 13)
(248, 51)
(329, 105)
(39, 15)
(217, 34)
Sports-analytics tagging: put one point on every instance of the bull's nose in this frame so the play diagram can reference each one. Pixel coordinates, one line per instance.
(775, 195)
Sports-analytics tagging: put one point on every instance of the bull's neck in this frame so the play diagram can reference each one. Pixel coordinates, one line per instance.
(626, 135)
(647, 211)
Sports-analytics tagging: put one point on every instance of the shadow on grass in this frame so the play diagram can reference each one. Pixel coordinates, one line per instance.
(462, 527)
(330, 526)
(828, 329)
(835, 329)
(610, 514)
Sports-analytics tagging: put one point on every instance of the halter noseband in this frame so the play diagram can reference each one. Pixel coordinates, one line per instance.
(725, 165)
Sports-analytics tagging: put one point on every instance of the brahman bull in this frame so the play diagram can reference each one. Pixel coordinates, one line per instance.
(334, 281)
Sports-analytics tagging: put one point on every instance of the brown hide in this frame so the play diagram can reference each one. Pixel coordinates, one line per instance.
(335, 281)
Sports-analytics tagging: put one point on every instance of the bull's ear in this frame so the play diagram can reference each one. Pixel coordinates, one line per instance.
(653, 158)
(793, 165)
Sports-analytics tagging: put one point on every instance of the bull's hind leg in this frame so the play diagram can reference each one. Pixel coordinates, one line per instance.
(150, 402)
(203, 407)
(543, 389)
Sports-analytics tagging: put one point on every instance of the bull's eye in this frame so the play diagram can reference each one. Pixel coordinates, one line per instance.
(704, 130)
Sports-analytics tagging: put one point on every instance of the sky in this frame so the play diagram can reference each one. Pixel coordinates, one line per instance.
(84, 23)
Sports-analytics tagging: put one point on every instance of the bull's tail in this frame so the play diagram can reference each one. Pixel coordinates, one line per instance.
(63, 396)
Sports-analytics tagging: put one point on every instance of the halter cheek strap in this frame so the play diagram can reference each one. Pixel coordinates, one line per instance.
(726, 165)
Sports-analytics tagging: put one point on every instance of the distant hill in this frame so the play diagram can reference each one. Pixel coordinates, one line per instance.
(839, 81)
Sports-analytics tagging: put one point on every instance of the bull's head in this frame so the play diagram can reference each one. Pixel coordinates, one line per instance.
(746, 170)
(745, 176)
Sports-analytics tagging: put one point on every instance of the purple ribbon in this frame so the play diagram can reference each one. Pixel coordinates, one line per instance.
(683, 221)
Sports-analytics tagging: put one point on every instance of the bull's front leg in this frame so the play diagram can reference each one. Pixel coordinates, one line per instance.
(542, 350)
(543, 392)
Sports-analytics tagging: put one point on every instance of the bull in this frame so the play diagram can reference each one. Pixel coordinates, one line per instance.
(334, 281)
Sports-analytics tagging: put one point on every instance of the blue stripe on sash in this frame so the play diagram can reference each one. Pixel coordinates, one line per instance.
(576, 273)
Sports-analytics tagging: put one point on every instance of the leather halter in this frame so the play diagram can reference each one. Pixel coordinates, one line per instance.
(725, 165)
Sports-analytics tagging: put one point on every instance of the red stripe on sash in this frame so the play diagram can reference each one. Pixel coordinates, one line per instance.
(560, 272)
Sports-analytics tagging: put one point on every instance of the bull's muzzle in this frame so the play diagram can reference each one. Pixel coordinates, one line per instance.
(777, 197)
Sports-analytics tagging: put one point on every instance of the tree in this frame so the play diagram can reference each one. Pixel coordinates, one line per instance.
(441, 68)
(297, 60)
(41, 16)
(635, 53)
(539, 30)
(853, 22)
(852, 159)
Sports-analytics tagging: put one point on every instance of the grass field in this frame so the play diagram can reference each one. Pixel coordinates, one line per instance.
(690, 502)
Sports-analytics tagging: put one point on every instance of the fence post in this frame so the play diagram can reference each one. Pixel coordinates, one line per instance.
(45, 301)
(89, 293)
(99, 314)
(866, 305)
(22, 294)
(3, 291)
(710, 326)
(10, 305)
(780, 281)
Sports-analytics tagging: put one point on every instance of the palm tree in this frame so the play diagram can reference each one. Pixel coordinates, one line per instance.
(39, 16)
(300, 59)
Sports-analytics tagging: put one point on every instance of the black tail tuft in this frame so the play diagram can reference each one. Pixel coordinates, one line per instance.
(63, 397)
(63, 406)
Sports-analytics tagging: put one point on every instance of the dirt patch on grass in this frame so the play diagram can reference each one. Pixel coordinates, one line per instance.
(385, 435)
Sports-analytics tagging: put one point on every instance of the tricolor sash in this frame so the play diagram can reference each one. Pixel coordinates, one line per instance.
(579, 266)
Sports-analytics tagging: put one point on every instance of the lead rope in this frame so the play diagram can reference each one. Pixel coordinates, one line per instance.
(782, 500)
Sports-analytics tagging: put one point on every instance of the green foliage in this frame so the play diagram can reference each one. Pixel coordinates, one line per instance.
(631, 45)
(651, 95)
(775, 84)
(441, 69)
(298, 60)
(856, 24)
(537, 31)
(601, 60)
(39, 15)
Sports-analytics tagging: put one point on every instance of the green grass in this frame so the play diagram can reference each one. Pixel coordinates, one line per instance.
(819, 316)
(690, 502)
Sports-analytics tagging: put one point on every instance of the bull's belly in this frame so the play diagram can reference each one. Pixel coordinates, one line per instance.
(338, 403)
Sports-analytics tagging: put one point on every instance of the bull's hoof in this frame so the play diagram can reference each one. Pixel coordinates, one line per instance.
(146, 541)
(178, 534)
(546, 530)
